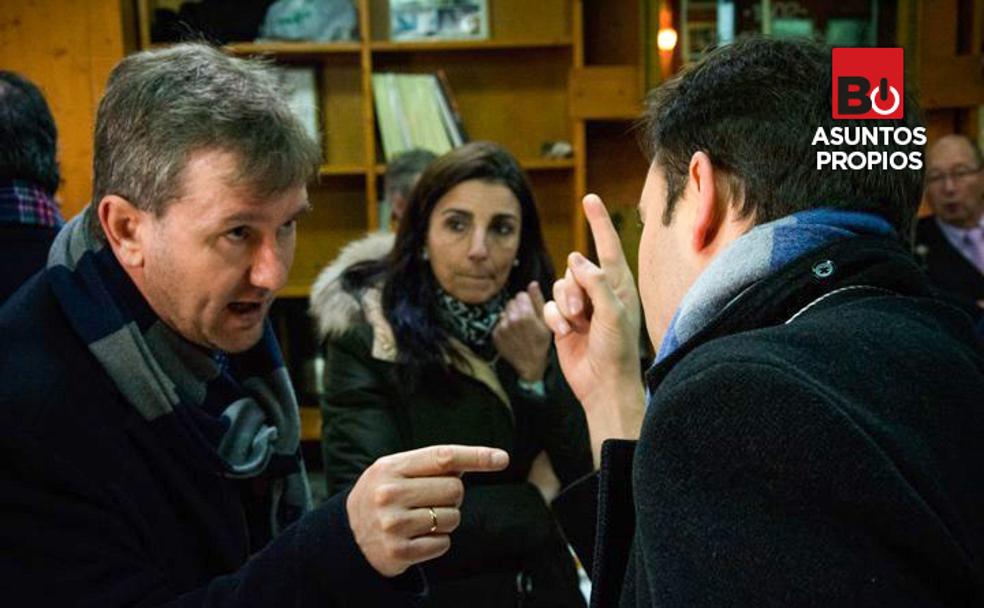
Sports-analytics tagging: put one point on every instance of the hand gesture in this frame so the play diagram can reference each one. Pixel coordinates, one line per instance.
(595, 318)
(522, 337)
(403, 508)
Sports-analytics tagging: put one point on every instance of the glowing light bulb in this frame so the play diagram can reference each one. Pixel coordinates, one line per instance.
(666, 39)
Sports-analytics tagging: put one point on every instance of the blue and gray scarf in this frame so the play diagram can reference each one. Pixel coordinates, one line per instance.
(761, 252)
(239, 409)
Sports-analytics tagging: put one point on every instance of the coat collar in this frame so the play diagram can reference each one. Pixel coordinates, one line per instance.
(335, 309)
(384, 348)
(870, 261)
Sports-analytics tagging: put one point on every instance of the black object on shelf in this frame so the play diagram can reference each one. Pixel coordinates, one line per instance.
(217, 21)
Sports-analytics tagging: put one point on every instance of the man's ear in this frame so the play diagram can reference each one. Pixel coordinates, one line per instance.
(709, 214)
(123, 225)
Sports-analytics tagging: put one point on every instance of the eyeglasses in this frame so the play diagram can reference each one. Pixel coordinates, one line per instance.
(957, 175)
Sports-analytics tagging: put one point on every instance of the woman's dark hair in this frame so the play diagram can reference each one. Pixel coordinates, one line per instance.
(410, 292)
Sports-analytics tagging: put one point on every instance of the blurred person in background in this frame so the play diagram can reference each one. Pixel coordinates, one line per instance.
(29, 216)
(402, 174)
(445, 342)
(951, 241)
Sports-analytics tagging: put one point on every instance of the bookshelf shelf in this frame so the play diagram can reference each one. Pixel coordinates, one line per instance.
(294, 291)
(294, 48)
(548, 164)
(386, 46)
(529, 164)
(342, 170)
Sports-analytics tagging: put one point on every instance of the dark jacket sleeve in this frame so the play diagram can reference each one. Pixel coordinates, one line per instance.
(502, 526)
(756, 487)
(598, 518)
(68, 542)
(559, 423)
(358, 410)
(502, 523)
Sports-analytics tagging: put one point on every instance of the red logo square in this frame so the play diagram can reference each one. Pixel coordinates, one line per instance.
(868, 83)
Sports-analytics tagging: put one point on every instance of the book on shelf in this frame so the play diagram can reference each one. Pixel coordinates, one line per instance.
(451, 104)
(385, 214)
(439, 19)
(299, 86)
(416, 111)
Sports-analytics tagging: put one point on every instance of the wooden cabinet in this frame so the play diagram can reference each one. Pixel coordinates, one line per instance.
(511, 88)
(944, 44)
(607, 91)
(67, 49)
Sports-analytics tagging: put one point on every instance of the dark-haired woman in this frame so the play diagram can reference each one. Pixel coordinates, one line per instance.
(443, 341)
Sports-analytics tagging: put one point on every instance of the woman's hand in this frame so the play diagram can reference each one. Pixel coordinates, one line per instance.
(522, 337)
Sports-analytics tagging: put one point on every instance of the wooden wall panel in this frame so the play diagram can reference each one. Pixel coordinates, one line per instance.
(67, 48)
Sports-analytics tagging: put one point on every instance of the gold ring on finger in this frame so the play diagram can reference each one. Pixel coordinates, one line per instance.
(433, 520)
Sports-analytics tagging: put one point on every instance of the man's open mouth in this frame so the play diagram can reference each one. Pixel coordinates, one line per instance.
(245, 307)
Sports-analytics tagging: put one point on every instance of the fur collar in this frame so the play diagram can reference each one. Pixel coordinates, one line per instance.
(333, 308)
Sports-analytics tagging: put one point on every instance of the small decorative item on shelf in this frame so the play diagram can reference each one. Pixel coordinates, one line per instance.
(300, 86)
(310, 20)
(851, 32)
(556, 149)
(218, 21)
(439, 19)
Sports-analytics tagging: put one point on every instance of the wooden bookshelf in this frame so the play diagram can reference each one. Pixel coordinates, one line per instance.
(466, 45)
(327, 170)
(284, 49)
(512, 88)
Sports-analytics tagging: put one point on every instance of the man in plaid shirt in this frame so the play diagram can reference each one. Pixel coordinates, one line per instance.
(29, 215)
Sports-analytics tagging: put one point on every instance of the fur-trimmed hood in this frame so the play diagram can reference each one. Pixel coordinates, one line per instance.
(336, 310)
(333, 308)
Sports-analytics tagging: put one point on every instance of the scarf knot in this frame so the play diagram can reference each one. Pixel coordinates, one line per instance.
(238, 409)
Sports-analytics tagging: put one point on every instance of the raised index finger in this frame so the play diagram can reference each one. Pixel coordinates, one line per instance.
(606, 240)
(449, 460)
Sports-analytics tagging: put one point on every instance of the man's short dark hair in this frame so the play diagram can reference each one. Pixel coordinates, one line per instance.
(753, 107)
(403, 170)
(28, 133)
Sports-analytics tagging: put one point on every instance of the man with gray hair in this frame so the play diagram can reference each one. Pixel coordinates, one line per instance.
(951, 242)
(150, 445)
(401, 176)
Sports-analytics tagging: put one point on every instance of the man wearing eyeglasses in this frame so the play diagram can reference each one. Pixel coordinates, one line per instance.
(951, 242)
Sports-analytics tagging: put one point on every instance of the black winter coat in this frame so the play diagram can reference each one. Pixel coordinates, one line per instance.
(506, 527)
(945, 265)
(102, 508)
(815, 445)
(24, 251)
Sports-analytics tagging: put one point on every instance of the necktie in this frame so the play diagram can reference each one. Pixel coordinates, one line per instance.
(974, 246)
